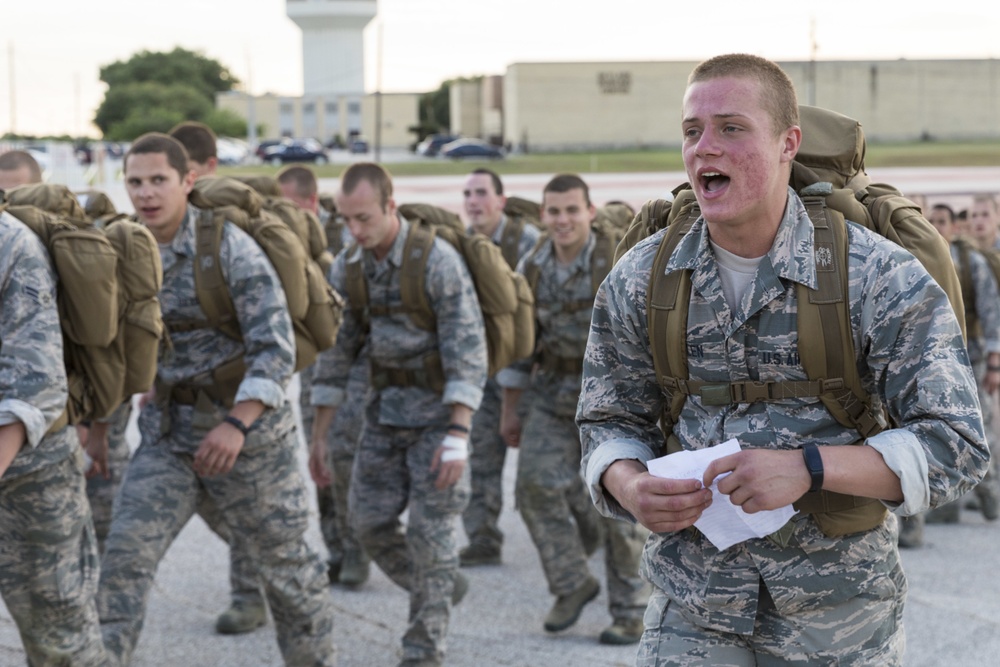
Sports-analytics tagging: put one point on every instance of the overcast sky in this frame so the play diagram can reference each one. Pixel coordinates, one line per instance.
(51, 51)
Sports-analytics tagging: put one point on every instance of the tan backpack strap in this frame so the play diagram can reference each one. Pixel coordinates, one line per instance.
(603, 258)
(210, 285)
(532, 271)
(667, 301)
(510, 240)
(824, 321)
(964, 270)
(357, 291)
(418, 246)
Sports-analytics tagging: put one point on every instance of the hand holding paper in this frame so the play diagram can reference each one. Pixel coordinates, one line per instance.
(723, 523)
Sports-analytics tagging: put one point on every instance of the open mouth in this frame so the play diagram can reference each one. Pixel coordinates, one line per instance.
(713, 181)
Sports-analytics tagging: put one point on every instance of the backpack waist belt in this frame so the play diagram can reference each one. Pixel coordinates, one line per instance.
(220, 384)
(551, 363)
(431, 376)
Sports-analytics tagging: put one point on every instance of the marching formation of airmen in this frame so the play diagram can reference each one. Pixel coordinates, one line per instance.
(405, 413)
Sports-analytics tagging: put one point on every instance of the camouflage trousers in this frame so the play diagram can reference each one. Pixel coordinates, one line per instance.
(860, 632)
(553, 501)
(486, 459)
(392, 474)
(263, 505)
(342, 444)
(100, 491)
(48, 565)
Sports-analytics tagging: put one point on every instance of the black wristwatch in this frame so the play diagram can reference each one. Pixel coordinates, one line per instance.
(814, 464)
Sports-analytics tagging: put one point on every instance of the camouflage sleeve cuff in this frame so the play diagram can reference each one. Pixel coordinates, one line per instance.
(465, 393)
(904, 455)
(600, 460)
(511, 378)
(13, 410)
(326, 396)
(268, 392)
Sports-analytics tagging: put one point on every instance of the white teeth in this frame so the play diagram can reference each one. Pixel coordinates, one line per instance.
(710, 174)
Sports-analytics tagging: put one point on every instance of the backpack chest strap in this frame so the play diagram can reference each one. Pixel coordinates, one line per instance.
(749, 391)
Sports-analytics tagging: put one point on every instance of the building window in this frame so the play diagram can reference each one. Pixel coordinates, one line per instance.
(331, 120)
(354, 117)
(310, 127)
(286, 119)
(614, 83)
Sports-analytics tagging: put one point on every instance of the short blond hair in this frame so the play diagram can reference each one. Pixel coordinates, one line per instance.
(777, 91)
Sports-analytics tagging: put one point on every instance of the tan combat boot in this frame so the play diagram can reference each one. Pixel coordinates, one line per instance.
(566, 610)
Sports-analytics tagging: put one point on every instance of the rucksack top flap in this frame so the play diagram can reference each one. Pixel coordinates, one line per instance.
(434, 216)
(262, 183)
(51, 197)
(833, 145)
(214, 191)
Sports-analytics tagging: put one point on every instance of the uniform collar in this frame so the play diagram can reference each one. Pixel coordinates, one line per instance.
(791, 257)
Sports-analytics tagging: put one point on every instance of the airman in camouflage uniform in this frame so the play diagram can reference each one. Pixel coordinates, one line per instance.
(247, 609)
(348, 563)
(484, 210)
(981, 297)
(48, 554)
(801, 596)
(425, 387)
(550, 491)
(194, 446)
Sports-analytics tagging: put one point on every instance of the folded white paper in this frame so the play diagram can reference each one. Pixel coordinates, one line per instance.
(723, 523)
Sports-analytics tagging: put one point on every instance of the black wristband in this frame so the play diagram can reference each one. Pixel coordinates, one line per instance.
(459, 428)
(992, 369)
(814, 464)
(233, 421)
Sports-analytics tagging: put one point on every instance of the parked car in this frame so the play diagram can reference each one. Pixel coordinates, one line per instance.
(471, 148)
(358, 146)
(431, 145)
(261, 150)
(296, 151)
(231, 151)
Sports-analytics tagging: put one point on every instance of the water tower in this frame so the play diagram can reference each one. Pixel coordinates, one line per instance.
(333, 54)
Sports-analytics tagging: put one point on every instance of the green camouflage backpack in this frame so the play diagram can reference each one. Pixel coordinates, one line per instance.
(829, 176)
(503, 294)
(315, 307)
(108, 281)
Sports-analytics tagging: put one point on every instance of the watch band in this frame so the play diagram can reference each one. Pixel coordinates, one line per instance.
(814, 464)
(233, 421)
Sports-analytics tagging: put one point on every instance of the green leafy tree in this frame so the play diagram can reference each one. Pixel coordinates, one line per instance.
(435, 110)
(153, 91)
